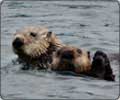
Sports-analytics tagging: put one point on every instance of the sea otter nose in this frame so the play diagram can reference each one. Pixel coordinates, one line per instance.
(68, 55)
(17, 43)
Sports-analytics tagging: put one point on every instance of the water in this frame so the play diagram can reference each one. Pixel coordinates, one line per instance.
(92, 25)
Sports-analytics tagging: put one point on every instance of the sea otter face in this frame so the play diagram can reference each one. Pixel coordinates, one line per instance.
(71, 59)
(33, 41)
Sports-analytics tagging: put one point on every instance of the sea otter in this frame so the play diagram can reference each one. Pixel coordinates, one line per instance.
(79, 61)
(35, 46)
(39, 48)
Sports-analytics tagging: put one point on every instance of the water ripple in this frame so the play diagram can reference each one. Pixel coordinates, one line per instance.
(20, 15)
(81, 6)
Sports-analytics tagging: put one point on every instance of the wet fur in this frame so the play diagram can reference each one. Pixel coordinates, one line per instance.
(101, 67)
(38, 46)
(71, 59)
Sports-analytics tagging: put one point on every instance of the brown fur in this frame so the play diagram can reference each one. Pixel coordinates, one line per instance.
(71, 59)
(35, 45)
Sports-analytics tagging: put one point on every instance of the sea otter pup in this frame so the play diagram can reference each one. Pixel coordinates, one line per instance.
(35, 46)
(70, 58)
(77, 60)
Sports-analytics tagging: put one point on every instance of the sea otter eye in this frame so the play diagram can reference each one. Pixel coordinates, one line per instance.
(79, 51)
(33, 34)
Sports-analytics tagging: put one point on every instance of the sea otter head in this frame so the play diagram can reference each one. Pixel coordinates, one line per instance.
(32, 42)
(71, 59)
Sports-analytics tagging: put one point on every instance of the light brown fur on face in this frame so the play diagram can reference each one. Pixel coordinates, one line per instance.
(35, 44)
(71, 59)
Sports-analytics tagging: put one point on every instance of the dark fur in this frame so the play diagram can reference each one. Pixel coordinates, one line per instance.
(101, 67)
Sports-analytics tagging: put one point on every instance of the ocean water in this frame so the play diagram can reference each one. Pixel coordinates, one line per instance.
(92, 25)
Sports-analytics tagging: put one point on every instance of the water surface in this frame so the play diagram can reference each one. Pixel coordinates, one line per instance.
(92, 25)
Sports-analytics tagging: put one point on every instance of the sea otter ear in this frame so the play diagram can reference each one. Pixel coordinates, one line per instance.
(49, 34)
(88, 54)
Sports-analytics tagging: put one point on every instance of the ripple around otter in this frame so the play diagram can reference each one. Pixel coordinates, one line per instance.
(20, 15)
(88, 24)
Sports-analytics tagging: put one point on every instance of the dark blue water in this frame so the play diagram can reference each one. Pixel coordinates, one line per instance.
(92, 25)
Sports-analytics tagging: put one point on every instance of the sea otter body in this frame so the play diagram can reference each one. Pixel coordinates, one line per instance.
(35, 45)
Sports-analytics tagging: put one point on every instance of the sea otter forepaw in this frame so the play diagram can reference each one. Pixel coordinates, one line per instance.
(110, 77)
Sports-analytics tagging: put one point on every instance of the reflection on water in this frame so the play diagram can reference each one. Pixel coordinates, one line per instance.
(87, 24)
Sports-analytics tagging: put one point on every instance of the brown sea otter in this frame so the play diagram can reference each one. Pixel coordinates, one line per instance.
(35, 46)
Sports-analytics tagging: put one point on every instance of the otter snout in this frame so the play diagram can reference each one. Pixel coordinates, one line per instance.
(67, 55)
(17, 43)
